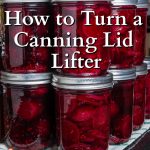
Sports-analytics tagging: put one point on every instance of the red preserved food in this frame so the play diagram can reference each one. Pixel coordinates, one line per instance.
(82, 123)
(140, 32)
(27, 59)
(140, 37)
(139, 96)
(121, 123)
(147, 113)
(29, 109)
(74, 123)
(121, 106)
(122, 57)
(29, 120)
(79, 29)
(148, 95)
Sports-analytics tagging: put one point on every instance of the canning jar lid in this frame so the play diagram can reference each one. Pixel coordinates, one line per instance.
(141, 69)
(25, 79)
(24, 1)
(142, 4)
(148, 13)
(82, 83)
(123, 74)
(147, 61)
(80, 0)
(124, 2)
(3, 146)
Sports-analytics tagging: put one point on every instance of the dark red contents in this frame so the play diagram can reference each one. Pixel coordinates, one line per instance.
(29, 120)
(148, 95)
(29, 109)
(140, 37)
(121, 112)
(26, 59)
(139, 101)
(122, 57)
(114, 109)
(83, 122)
(79, 29)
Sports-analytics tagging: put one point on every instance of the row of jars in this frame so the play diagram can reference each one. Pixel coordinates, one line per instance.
(75, 113)
(28, 59)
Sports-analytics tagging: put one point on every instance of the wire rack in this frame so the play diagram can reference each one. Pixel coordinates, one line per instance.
(136, 136)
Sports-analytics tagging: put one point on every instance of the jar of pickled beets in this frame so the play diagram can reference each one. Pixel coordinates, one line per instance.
(122, 56)
(147, 61)
(80, 33)
(122, 105)
(24, 58)
(139, 96)
(83, 115)
(28, 115)
(140, 32)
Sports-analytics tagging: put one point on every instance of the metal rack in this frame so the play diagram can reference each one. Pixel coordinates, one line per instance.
(136, 136)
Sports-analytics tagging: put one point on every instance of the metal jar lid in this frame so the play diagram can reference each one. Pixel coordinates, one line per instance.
(124, 2)
(25, 1)
(147, 61)
(123, 74)
(148, 13)
(80, 0)
(142, 4)
(141, 70)
(25, 79)
(82, 83)
(3, 147)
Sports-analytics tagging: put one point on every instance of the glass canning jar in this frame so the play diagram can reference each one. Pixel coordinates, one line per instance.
(83, 111)
(28, 115)
(139, 96)
(122, 105)
(147, 61)
(122, 57)
(26, 59)
(140, 32)
(79, 29)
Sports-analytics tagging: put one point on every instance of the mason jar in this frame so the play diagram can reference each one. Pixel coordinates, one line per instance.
(28, 111)
(140, 32)
(123, 56)
(121, 106)
(24, 58)
(84, 32)
(82, 107)
(139, 96)
(147, 61)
